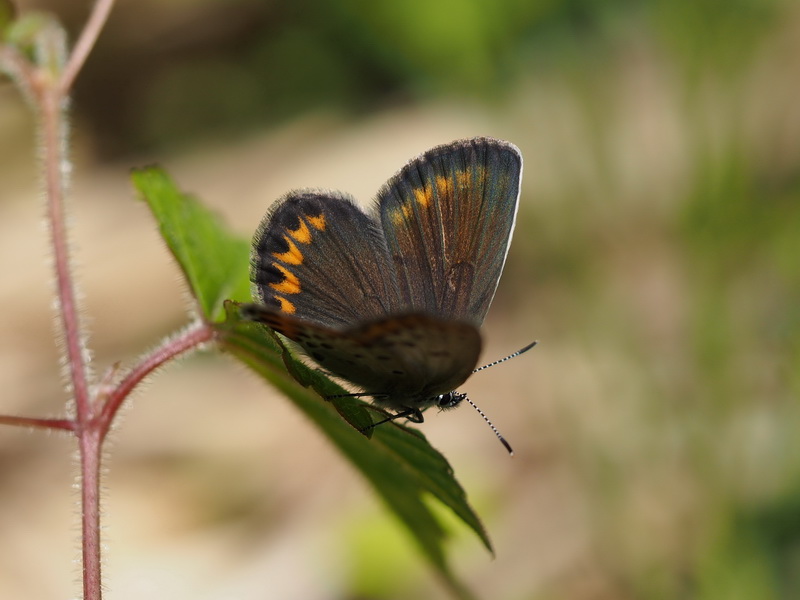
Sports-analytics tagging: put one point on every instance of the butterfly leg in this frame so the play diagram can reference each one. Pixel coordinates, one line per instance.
(412, 414)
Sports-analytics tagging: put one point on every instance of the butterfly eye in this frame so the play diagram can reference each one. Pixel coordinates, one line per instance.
(449, 400)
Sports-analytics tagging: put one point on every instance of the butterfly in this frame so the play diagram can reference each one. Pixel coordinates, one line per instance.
(392, 299)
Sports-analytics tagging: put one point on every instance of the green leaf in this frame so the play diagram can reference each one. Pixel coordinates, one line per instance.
(214, 261)
(399, 463)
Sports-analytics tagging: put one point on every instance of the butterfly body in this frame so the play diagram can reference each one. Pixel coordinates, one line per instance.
(392, 300)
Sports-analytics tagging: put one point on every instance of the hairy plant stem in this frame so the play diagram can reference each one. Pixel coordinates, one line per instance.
(90, 443)
(38, 423)
(52, 113)
(190, 339)
(88, 37)
(92, 420)
(95, 404)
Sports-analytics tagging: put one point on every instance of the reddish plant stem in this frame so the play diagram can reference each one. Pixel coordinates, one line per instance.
(93, 418)
(91, 442)
(41, 423)
(91, 436)
(54, 161)
(54, 157)
(90, 445)
(53, 101)
(88, 37)
(189, 339)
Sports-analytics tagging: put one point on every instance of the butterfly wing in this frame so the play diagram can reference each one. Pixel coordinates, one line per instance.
(393, 303)
(318, 256)
(405, 360)
(448, 217)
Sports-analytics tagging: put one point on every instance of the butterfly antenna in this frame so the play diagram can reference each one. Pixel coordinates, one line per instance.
(490, 424)
(481, 413)
(509, 357)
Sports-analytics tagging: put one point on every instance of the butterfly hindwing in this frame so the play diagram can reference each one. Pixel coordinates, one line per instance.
(422, 356)
(404, 360)
(448, 217)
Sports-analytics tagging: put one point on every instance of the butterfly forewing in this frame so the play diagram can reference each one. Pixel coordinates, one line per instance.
(319, 257)
(448, 217)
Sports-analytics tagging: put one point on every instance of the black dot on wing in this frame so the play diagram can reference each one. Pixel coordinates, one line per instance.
(396, 372)
(286, 217)
(311, 345)
(326, 346)
(308, 204)
(358, 355)
(383, 357)
(266, 274)
(270, 242)
(318, 357)
(273, 243)
(272, 302)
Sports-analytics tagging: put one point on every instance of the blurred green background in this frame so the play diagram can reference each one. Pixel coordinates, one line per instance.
(656, 258)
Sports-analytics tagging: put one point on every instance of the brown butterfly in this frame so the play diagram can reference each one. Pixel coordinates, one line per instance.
(392, 300)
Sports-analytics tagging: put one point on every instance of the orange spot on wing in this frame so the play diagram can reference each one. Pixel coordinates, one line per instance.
(399, 215)
(442, 184)
(472, 177)
(290, 283)
(302, 234)
(464, 178)
(423, 196)
(317, 222)
(292, 256)
(286, 306)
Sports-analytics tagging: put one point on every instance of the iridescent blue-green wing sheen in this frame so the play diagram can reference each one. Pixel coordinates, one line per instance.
(318, 257)
(448, 217)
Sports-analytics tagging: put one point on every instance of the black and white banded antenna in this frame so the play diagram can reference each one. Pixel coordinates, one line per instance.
(509, 357)
(480, 412)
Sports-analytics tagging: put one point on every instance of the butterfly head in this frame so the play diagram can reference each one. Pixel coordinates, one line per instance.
(449, 400)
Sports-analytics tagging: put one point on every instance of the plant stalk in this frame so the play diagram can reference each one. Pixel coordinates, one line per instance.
(55, 162)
